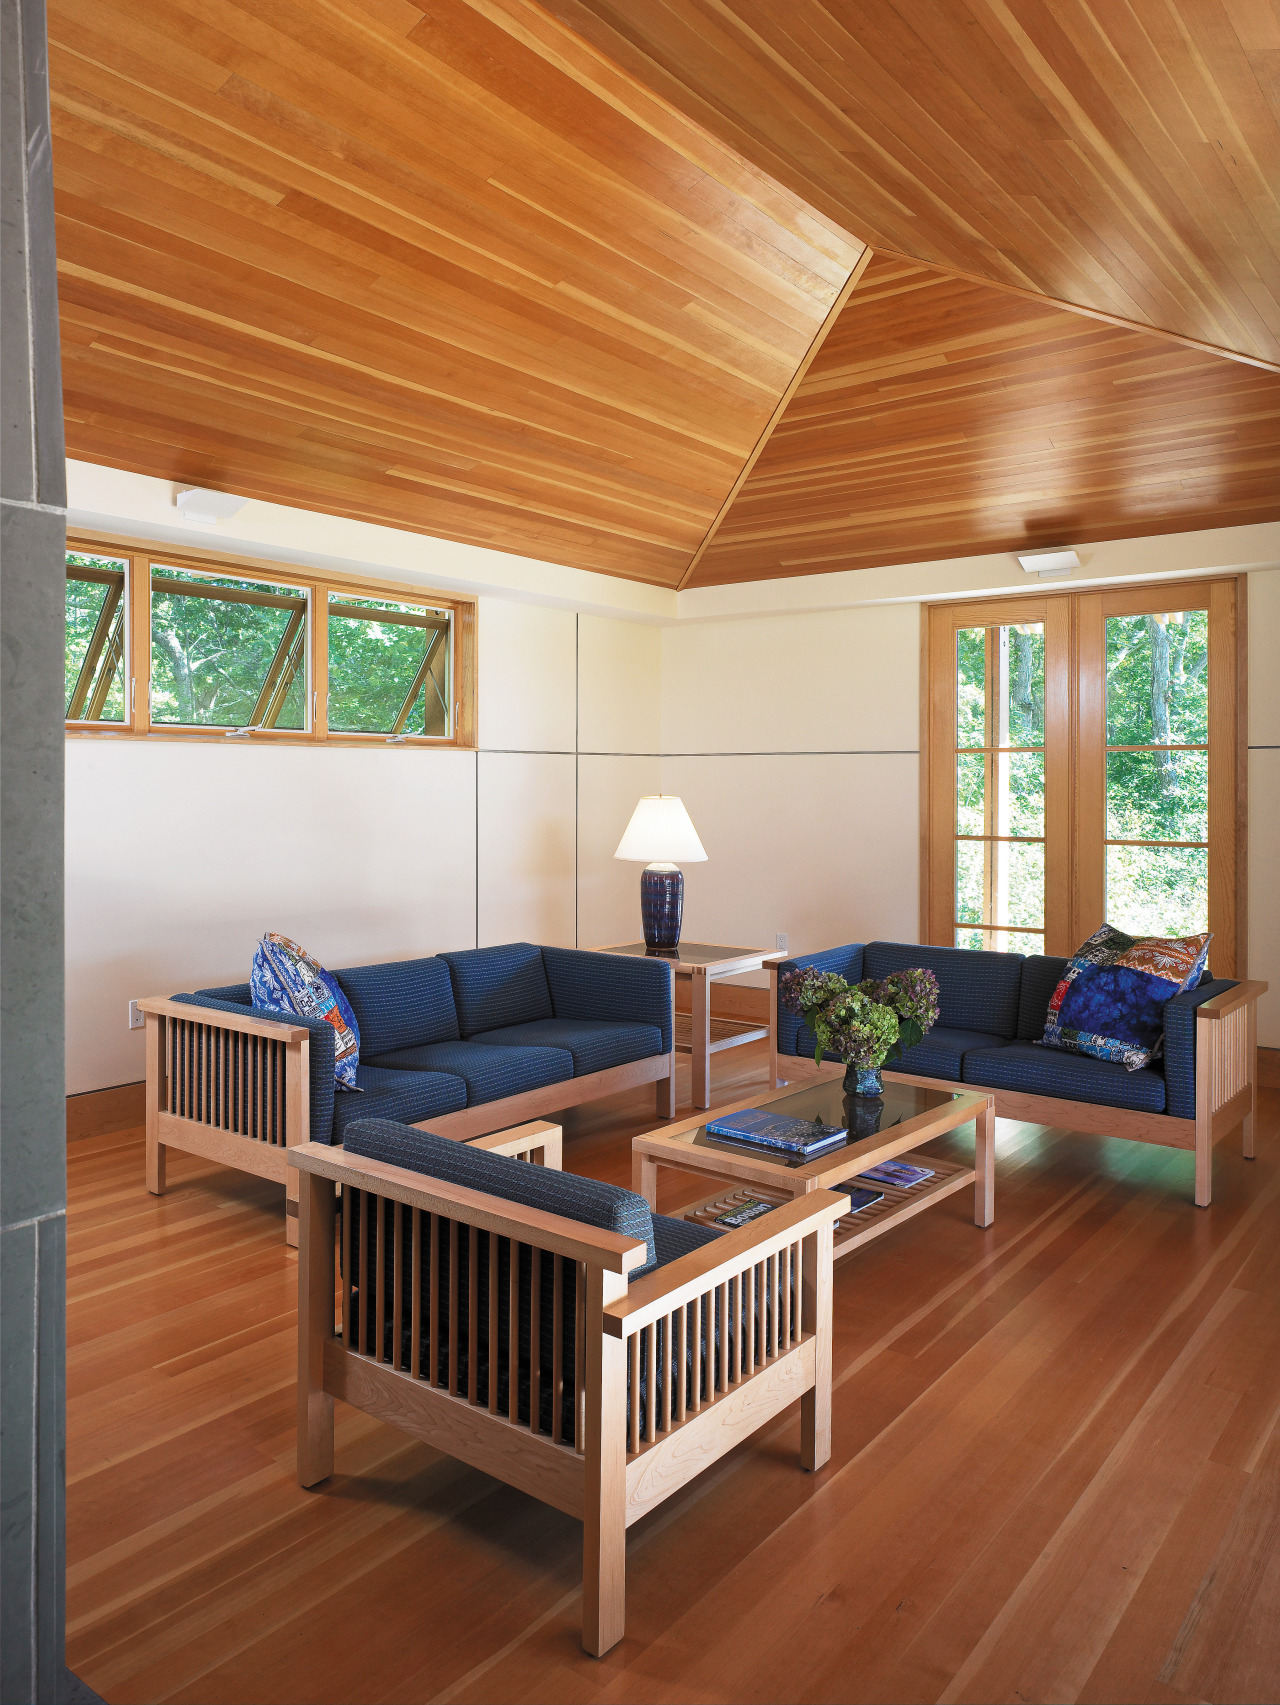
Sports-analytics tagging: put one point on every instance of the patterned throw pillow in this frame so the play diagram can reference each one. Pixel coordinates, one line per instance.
(286, 979)
(1110, 1002)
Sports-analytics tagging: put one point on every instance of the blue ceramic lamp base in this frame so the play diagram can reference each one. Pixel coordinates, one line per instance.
(662, 908)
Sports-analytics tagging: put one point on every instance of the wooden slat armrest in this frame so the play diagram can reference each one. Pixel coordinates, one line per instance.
(1220, 1005)
(249, 1025)
(606, 1249)
(538, 1134)
(725, 1256)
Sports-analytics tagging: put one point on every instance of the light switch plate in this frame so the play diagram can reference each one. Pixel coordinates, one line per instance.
(137, 1020)
(781, 941)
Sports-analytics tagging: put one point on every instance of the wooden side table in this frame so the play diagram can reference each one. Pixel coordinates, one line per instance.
(700, 1035)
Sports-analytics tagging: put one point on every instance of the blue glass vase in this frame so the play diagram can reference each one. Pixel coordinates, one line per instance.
(863, 1080)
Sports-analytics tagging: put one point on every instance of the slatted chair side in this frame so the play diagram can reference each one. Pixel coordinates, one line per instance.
(459, 1293)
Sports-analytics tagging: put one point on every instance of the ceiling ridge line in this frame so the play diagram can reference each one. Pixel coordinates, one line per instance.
(1102, 314)
(837, 308)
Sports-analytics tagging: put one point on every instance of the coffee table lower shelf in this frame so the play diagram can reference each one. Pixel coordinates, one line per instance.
(853, 1230)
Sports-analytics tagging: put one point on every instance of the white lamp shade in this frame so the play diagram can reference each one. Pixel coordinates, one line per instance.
(660, 833)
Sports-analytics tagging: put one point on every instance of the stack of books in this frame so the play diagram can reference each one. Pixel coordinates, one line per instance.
(777, 1133)
(896, 1172)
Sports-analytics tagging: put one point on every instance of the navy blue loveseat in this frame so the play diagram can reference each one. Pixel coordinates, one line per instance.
(992, 1011)
(473, 1041)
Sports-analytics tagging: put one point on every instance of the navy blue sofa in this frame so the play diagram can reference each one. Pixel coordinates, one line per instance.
(992, 1011)
(473, 1041)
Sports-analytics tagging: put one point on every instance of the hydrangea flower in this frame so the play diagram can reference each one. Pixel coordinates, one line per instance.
(866, 1024)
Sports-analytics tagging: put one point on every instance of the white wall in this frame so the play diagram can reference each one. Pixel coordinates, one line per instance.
(794, 742)
(180, 855)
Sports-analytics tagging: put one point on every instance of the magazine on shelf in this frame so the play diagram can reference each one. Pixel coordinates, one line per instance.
(859, 1199)
(898, 1173)
(776, 1132)
(742, 1213)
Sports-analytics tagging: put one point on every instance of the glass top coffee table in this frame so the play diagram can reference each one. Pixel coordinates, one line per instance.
(908, 1115)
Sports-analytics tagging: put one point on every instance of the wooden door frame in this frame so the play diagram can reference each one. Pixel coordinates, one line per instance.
(1075, 772)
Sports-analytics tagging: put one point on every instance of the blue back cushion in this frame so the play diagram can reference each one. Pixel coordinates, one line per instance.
(240, 993)
(976, 991)
(497, 986)
(586, 1200)
(1041, 975)
(405, 1004)
(593, 986)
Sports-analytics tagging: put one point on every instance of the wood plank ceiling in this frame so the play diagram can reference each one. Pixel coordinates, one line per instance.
(1119, 155)
(451, 272)
(944, 418)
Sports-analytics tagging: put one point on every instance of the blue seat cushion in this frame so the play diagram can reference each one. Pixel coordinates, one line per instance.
(595, 1045)
(942, 1052)
(406, 1096)
(400, 1005)
(674, 1238)
(1033, 1070)
(587, 1200)
(493, 986)
(976, 991)
(488, 1073)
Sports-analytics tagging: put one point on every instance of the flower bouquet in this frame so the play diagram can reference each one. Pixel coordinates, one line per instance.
(864, 1024)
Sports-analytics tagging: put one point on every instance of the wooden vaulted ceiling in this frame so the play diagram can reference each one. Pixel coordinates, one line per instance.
(1119, 155)
(940, 410)
(553, 284)
(450, 271)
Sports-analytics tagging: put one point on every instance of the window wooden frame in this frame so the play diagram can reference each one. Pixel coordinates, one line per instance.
(1075, 753)
(140, 556)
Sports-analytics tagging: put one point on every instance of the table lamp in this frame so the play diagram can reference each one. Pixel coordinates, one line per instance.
(658, 834)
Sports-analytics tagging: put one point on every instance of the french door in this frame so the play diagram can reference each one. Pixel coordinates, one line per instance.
(1083, 766)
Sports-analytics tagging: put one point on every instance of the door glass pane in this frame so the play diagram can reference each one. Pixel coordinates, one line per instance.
(1000, 883)
(227, 653)
(1158, 679)
(388, 667)
(95, 647)
(971, 675)
(1001, 940)
(1021, 798)
(970, 786)
(1020, 897)
(969, 881)
(1021, 684)
(1158, 890)
(1158, 796)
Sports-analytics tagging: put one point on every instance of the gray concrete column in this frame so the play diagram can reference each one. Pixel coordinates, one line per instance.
(33, 1191)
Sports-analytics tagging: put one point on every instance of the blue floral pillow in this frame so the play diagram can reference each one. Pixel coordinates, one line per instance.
(1110, 1002)
(287, 980)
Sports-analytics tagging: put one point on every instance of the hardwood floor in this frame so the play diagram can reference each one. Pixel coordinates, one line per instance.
(1056, 1467)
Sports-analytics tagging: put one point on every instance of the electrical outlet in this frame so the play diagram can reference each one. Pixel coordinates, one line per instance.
(781, 941)
(137, 1020)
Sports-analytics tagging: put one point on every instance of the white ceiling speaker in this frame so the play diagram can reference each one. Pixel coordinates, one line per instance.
(1049, 562)
(203, 507)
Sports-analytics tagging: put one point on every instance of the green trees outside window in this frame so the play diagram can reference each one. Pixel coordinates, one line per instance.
(226, 653)
(97, 612)
(388, 668)
(1158, 772)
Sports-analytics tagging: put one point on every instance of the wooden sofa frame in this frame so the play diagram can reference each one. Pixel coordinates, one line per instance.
(1226, 1088)
(768, 1283)
(237, 1091)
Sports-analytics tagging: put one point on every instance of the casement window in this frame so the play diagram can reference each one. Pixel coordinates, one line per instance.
(1083, 765)
(178, 644)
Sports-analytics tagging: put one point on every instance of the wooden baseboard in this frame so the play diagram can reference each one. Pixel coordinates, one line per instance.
(1269, 1068)
(99, 1112)
(729, 1000)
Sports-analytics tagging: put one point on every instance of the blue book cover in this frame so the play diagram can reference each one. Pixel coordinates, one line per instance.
(776, 1131)
(897, 1172)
